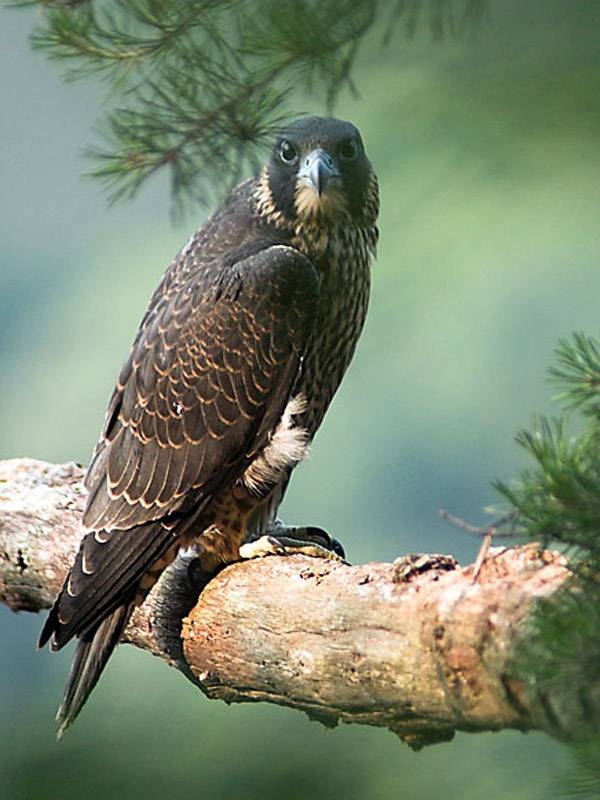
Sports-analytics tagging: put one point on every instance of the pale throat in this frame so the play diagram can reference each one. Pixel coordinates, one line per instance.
(319, 219)
(329, 207)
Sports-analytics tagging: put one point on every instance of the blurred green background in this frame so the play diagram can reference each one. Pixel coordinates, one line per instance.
(488, 154)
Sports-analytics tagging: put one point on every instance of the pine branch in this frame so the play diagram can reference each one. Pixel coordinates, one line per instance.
(418, 646)
(578, 371)
(198, 87)
(559, 499)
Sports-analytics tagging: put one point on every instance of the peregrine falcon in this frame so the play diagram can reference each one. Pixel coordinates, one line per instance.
(239, 354)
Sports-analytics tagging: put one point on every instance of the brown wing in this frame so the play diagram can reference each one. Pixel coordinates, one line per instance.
(207, 379)
(210, 373)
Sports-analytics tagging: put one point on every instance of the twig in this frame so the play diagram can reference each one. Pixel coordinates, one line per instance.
(485, 530)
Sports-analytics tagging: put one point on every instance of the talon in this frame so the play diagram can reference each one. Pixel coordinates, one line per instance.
(278, 548)
(261, 547)
(338, 548)
(312, 532)
(310, 541)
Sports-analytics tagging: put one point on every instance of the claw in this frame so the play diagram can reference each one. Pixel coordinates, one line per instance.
(310, 541)
(261, 547)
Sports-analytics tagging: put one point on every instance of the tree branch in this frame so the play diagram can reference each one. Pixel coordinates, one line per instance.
(417, 646)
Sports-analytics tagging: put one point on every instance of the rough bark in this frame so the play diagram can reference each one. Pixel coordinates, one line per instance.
(417, 646)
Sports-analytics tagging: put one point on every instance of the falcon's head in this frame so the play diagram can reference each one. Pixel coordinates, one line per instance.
(318, 172)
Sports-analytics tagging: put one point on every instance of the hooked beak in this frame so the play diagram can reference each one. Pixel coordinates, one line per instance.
(318, 168)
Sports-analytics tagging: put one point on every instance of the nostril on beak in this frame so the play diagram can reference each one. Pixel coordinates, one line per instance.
(318, 167)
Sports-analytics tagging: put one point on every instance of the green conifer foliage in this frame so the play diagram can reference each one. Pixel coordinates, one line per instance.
(197, 88)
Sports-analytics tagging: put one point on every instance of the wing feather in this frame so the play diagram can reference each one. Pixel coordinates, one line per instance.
(115, 567)
(181, 423)
(217, 354)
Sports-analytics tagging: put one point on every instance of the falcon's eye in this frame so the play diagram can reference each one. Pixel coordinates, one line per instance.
(348, 150)
(287, 152)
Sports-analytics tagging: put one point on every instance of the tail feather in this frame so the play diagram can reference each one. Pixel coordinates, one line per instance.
(92, 653)
(112, 570)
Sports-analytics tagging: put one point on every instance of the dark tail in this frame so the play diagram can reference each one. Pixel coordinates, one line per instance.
(92, 653)
(112, 570)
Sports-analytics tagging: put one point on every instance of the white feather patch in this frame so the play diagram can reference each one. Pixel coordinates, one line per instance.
(287, 447)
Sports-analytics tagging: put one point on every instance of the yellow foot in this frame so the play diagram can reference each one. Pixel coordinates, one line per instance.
(284, 541)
